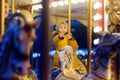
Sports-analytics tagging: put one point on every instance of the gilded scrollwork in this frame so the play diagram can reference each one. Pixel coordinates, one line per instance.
(113, 10)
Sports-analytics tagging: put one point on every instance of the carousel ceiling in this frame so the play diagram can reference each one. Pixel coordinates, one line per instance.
(79, 8)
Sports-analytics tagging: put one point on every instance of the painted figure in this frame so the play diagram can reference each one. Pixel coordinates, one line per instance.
(113, 11)
(61, 38)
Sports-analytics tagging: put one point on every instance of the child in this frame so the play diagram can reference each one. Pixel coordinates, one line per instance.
(6, 8)
(61, 38)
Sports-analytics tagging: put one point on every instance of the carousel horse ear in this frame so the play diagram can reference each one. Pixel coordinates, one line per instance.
(21, 21)
(38, 20)
(28, 17)
(18, 18)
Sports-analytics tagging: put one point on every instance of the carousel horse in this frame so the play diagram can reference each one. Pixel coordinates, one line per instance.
(67, 71)
(108, 48)
(15, 49)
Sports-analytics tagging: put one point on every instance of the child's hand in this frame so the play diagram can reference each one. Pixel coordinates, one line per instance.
(70, 37)
(61, 34)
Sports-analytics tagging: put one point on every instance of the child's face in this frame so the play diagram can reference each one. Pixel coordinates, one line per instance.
(6, 10)
(62, 28)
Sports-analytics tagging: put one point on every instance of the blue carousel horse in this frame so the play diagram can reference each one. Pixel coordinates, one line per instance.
(15, 48)
(107, 49)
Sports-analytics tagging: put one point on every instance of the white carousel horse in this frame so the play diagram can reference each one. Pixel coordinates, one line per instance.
(15, 49)
(108, 48)
(66, 59)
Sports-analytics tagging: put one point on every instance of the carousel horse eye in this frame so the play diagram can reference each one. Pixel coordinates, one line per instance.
(19, 69)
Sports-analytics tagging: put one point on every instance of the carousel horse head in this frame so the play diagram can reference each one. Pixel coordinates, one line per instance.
(107, 49)
(17, 43)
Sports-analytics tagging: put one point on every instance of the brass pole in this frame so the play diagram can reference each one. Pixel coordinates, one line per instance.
(69, 16)
(2, 17)
(13, 8)
(89, 35)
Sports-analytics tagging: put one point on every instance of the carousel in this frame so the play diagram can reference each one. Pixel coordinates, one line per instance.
(17, 38)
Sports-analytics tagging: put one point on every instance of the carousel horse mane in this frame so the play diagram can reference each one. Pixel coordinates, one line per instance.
(65, 56)
(16, 45)
(108, 47)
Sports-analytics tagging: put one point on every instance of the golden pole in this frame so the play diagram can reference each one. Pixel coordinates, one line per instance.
(2, 16)
(13, 8)
(69, 16)
(89, 35)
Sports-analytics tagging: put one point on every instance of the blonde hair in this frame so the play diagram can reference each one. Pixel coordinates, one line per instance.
(59, 24)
